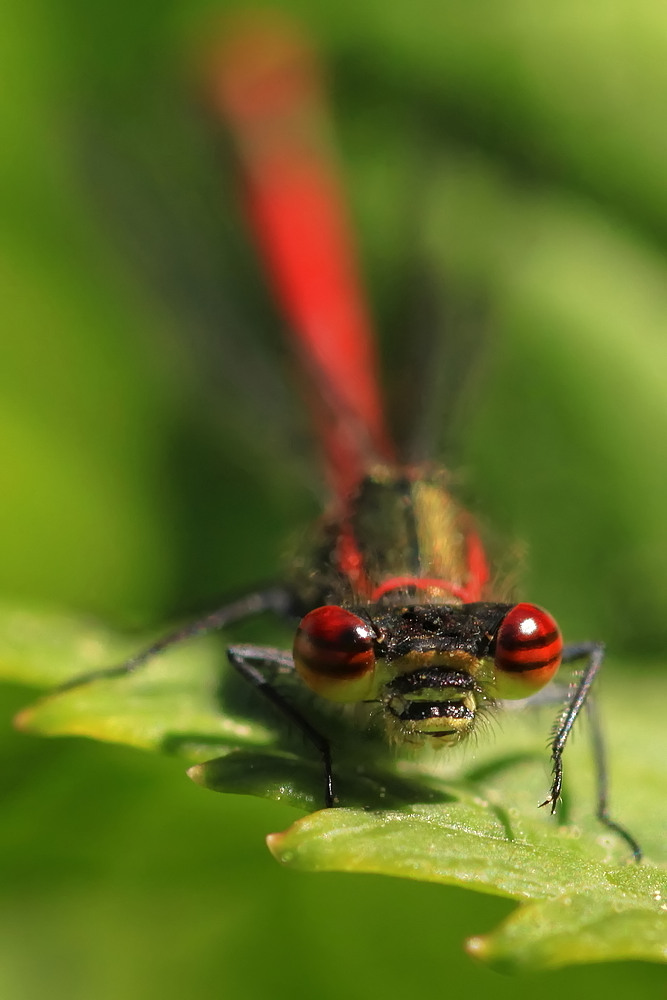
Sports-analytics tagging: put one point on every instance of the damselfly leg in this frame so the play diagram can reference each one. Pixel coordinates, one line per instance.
(273, 599)
(249, 661)
(581, 696)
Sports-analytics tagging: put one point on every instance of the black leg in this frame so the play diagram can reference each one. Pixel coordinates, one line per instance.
(275, 599)
(599, 757)
(249, 660)
(594, 653)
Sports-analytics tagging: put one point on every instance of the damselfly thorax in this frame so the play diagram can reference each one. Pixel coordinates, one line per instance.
(397, 536)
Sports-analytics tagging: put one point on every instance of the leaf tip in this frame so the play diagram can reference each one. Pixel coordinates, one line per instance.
(476, 947)
(197, 773)
(275, 844)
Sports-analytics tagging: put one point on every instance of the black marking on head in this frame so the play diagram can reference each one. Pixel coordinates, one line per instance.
(433, 678)
(419, 711)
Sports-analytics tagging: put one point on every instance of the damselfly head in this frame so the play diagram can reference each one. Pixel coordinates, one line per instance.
(432, 668)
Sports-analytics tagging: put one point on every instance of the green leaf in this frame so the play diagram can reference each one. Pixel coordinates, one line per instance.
(170, 707)
(464, 818)
(579, 912)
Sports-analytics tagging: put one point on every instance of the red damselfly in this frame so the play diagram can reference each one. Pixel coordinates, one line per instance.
(396, 610)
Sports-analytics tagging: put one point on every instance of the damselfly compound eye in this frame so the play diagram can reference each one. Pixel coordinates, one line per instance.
(333, 653)
(528, 651)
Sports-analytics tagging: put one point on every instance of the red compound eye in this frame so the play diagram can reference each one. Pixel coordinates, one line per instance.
(333, 653)
(528, 651)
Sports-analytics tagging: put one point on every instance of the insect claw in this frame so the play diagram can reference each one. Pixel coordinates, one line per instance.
(552, 799)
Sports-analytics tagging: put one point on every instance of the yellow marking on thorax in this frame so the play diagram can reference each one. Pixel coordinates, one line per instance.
(442, 543)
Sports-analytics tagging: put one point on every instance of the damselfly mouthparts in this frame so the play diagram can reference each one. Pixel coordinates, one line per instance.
(396, 607)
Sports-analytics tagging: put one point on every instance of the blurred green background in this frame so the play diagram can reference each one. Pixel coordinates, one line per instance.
(506, 164)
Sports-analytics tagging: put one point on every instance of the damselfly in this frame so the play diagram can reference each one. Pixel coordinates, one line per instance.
(396, 608)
